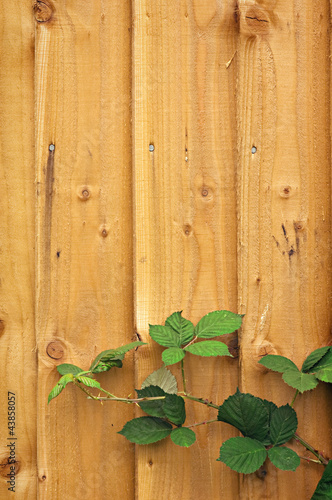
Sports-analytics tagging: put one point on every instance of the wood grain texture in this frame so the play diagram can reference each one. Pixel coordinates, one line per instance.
(84, 240)
(18, 365)
(185, 217)
(284, 212)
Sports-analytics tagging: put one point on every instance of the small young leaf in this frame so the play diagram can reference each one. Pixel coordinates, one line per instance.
(300, 381)
(164, 335)
(243, 454)
(325, 375)
(174, 409)
(90, 382)
(182, 436)
(324, 487)
(283, 425)
(111, 354)
(153, 408)
(323, 368)
(313, 358)
(209, 348)
(247, 413)
(164, 379)
(66, 379)
(67, 368)
(284, 458)
(278, 363)
(183, 327)
(104, 367)
(217, 323)
(146, 430)
(172, 355)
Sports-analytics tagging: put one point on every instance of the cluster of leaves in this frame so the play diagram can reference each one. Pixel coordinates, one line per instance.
(317, 366)
(102, 363)
(179, 335)
(166, 415)
(265, 427)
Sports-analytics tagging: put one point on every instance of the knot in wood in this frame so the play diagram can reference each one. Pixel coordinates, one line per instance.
(55, 350)
(255, 21)
(43, 11)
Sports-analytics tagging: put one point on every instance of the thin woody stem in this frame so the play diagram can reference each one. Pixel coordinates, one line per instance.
(304, 443)
(201, 423)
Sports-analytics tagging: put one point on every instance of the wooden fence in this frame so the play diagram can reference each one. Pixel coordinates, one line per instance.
(159, 156)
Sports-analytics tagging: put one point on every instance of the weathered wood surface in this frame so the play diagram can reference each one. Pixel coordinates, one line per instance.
(148, 198)
(18, 367)
(184, 147)
(284, 194)
(84, 241)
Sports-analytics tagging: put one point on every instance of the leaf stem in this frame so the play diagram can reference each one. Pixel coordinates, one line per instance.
(295, 396)
(201, 423)
(183, 377)
(304, 443)
(191, 342)
(127, 400)
(205, 402)
(80, 386)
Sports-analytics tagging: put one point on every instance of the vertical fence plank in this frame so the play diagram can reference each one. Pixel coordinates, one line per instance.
(17, 337)
(185, 243)
(284, 212)
(84, 240)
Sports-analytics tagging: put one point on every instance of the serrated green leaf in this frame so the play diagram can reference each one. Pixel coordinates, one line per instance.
(324, 487)
(283, 425)
(162, 378)
(104, 367)
(182, 436)
(66, 379)
(247, 413)
(111, 354)
(313, 358)
(89, 382)
(174, 409)
(284, 458)
(146, 430)
(300, 381)
(153, 408)
(172, 355)
(164, 335)
(217, 323)
(183, 327)
(208, 348)
(270, 406)
(278, 363)
(66, 368)
(325, 375)
(243, 454)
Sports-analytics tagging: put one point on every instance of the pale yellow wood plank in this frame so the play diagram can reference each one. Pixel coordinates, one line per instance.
(17, 337)
(185, 216)
(84, 241)
(284, 212)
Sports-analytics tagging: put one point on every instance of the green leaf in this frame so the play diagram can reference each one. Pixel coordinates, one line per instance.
(324, 375)
(66, 379)
(164, 379)
(146, 430)
(324, 487)
(313, 358)
(270, 406)
(172, 355)
(217, 323)
(104, 367)
(243, 454)
(300, 381)
(283, 424)
(278, 363)
(182, 436)
(164, 335)
(68, 368)
(153, 408)
(284, 458)
(111, 354)
(247, 413)
(183, 327)
(209, 348)
(174, 409)
(89, 382)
